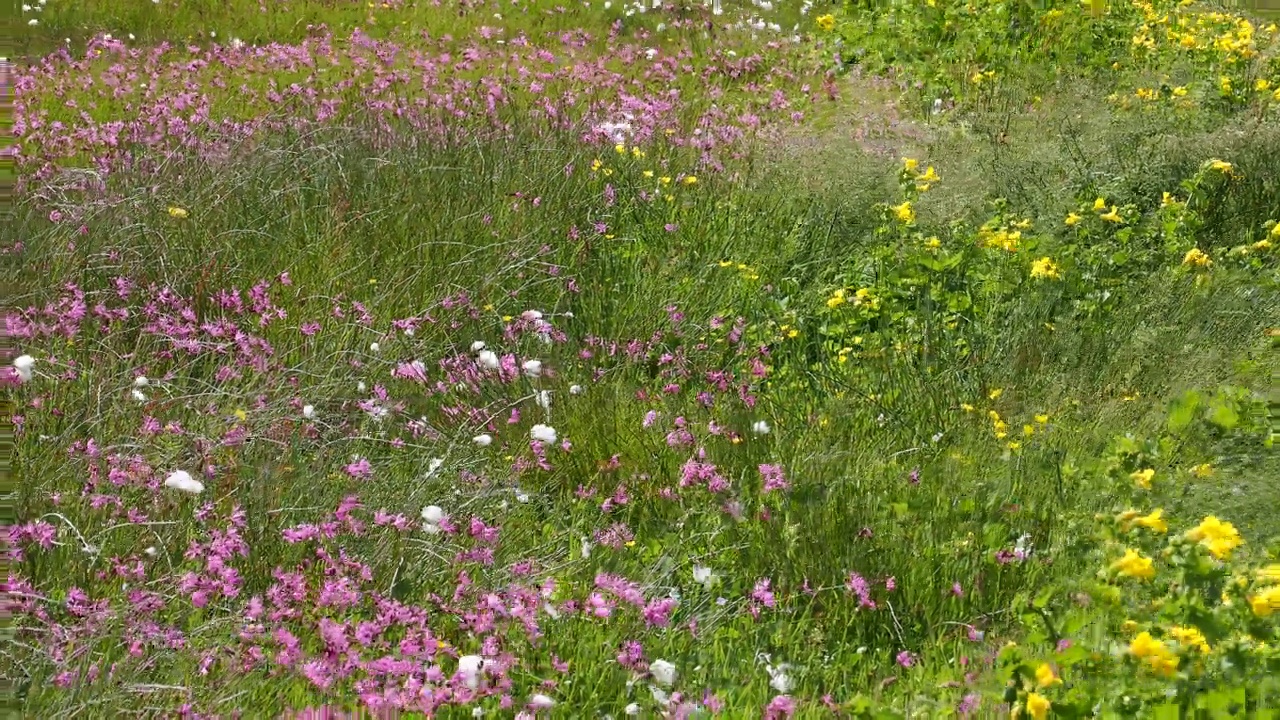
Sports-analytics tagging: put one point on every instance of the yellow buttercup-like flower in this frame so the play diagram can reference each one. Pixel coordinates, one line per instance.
(1045, 676)
(904, 212)
(1044, 269)
(1190, 637)
(1072, 219)
(1134, 565)
(1153, 521)
(1154, 653)
(1266, 602)
(1038, 706)
(1142, 478)
(177, 212)
(1218, 537)
(825, 22)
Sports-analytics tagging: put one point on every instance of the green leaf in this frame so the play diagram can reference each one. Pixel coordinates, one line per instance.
(1183, 411)
(1222, 412)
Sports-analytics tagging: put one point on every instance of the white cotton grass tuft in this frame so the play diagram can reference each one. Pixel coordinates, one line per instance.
(433, 514)
(181, 480)
(23, 364)
(141, 381)
(761, 427)
(664, 672)
(543, 433)
(308, 411)
(483, 440)
(575, 389)
(477, 346)
(488, 359)
(374, 347)
(532, 368)
(544, 400)
(138, 395)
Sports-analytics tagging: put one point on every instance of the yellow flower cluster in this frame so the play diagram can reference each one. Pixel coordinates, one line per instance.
(1196, 258)
(1218, 537)
(1190, 637)
(1133, 564)
(1153, 521)
(1044, 269)
(1154, 653)
(1267, 601)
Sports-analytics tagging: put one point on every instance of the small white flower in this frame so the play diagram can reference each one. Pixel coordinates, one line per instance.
(664, 673)
(659, 696)
(477, 712)
(433, 466)
(138, 395)
(544, 400)
(308, 411)
(141, 381)
(483, 440)
(522, 496)
(430, 529)
(26, 8)
(470, 667)
(543, 433)
(532, 368)
(375, 347)
(704, 576)
(23, 364)
(477, 346)
(651, 53)
(761, 427)
(632, 709)
(151, 551)
(182, 480)
(586, 548)
(778, 678)
(541, 702)
(531, 315)
(361, 387)
(33, 22)
(575, 389)
(433, 514)
(488, 359)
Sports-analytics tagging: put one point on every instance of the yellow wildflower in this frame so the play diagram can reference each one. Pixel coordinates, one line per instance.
(647, 173)
(1262, 85)
(1196, 257)
(1072, 219)
(910, 164)
(995, 393)
(966, 407)
(690, 180)
(665, 180)
(1168, 199)
(837, 299)
(1221, 166)
(1099, 205)
(933, 243)
(1038, 706)
(1203, 470)
(1142, 478)
(1153, 521)
(1045, 676)
(929, 175)
(1269, 574)
(1154, 652)
(177, 212)
(620, 149)
(904, 212)
(826, 23)
(1112, 216)
(596, 164)
(1044, 268)
(1134, 565)
(1266, 602)
(1190, 637)
(1218, 537)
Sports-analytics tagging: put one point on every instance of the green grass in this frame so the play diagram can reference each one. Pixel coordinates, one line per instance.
(878, 406)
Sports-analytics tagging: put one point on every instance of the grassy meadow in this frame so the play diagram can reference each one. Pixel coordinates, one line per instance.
(643, 359)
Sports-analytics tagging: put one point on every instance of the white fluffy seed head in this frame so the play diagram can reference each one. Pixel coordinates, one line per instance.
(483, 440)
(532, 368)
(181, 480)
(141, 381)
(488, 359)
(433, 514)
(308, 411)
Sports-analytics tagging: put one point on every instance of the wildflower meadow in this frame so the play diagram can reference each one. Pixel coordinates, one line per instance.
(642, 358)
